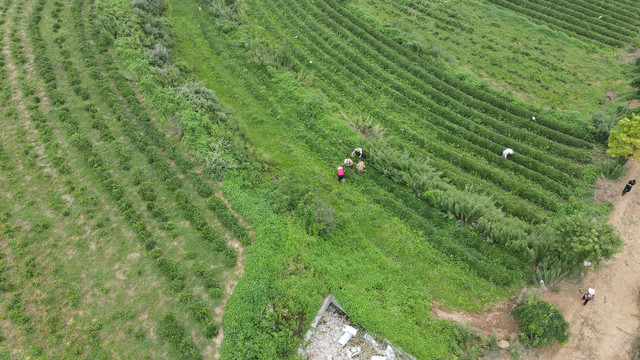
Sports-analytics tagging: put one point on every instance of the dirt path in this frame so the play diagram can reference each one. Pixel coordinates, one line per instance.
(605, 329)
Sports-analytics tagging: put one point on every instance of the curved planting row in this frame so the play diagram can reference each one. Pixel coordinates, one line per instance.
(513, 115)
(564, 22)
(516, 206)
(454, 154)
(614, 21)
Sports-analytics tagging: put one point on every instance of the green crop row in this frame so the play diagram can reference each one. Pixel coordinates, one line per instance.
(170, 330)
(83, 144)
(452, 154)
(229, 220)
(562, 22)
(498, 108)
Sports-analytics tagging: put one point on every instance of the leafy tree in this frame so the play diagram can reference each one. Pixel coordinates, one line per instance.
(540, 323)
(581, 238)
(625, 138)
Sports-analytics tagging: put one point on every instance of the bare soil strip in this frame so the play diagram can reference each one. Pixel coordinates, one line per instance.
(606, 328)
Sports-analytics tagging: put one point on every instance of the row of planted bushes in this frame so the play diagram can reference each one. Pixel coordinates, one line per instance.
(457, 129)
(514, 113)
(561, 243)
(73, 131)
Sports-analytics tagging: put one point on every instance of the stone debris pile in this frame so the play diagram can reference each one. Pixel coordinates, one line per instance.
(332, 337)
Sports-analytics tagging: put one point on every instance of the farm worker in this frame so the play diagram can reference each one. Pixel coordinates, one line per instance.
(348, 162)
(533, 118)
(357, 152)
(589, 294)
(507, 152)
(360, 166)
(627, 187)
(340, 174)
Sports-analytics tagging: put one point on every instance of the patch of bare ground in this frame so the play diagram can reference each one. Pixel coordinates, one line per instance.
(484, 323)
(606, 328)
(610, 95)
(629, 55)
(633, 104)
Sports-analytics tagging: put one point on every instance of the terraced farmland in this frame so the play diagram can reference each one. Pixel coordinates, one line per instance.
(106, 223)
(462, 129)
(148, 146)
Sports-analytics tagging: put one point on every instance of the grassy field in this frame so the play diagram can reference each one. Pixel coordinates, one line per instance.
(130, 194)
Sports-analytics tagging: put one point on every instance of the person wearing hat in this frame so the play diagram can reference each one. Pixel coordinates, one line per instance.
(627, 187)
(507, 152)
(348, 162)
(357, 152)
(589, 294)
(360, 167)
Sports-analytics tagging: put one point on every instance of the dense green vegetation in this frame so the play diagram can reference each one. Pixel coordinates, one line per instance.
(540, 323)
(149, 142)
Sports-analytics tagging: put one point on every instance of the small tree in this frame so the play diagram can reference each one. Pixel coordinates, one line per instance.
(625, 138)
(540, 323)
(581, 238)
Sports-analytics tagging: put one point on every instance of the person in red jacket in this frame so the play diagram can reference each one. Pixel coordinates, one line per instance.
(340, 174)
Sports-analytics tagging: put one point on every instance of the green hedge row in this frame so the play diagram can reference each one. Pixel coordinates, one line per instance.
(508, 111)
(461, 128)
(562, 22)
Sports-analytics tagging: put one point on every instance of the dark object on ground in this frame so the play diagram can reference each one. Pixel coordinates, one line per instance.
(628, 187)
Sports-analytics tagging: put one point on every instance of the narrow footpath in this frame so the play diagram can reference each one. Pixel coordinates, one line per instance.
(606, 328)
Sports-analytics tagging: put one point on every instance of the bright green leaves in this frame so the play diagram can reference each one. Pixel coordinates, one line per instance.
(625, 138)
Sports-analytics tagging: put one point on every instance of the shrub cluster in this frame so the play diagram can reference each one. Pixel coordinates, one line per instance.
(301, 199)
(540, 323)
(228, 219)
(173, 332)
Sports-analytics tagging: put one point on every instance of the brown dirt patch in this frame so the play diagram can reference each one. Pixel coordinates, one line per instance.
(634, 104)
(607, 328)
(610, 95)
(484, 323)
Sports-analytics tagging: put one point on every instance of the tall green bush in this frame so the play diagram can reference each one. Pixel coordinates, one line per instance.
(540, 323)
